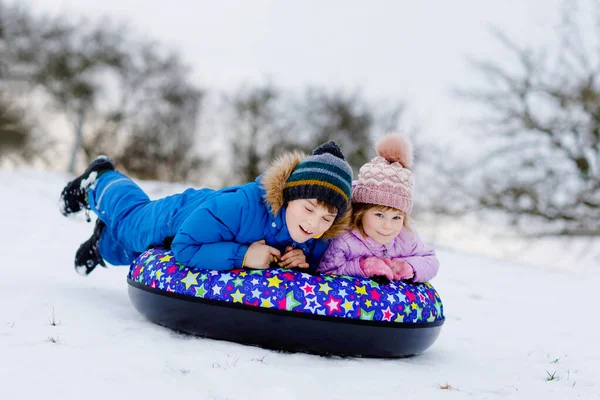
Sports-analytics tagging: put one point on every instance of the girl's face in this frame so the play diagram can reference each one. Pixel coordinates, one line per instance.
(306, 219)
(382, 226)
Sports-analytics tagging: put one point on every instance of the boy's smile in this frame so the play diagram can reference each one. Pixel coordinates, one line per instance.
(305, 231)
(306, 219)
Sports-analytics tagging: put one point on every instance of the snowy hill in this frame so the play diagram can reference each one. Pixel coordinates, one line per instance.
(512, 331)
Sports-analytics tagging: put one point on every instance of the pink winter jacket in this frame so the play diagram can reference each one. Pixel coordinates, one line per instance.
(344, 253)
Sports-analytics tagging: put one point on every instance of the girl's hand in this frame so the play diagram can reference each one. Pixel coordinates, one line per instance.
(373, 266)
(293, 258)
(402, 269)
(259, 255)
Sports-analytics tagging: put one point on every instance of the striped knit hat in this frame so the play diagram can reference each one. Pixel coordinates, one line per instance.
(324, 175)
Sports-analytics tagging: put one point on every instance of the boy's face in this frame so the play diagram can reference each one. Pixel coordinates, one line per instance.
(382, 225)
(305, 219)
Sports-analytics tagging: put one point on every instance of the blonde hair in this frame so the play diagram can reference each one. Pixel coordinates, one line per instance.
(360, 209)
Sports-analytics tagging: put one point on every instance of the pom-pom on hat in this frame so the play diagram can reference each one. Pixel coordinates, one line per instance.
(324, 175)
(387, 179)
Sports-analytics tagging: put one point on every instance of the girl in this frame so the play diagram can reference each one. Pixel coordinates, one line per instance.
(380, 242)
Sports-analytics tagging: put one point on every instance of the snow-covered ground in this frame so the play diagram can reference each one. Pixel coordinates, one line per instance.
(512, 330)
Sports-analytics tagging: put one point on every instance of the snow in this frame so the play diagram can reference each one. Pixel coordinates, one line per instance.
(509, 327)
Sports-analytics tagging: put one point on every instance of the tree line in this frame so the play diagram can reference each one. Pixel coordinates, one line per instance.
(539, 134)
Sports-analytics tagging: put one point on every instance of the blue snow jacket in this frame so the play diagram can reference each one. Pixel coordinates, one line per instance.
(218, 232)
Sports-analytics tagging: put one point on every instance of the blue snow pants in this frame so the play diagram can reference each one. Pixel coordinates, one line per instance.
(134, 223)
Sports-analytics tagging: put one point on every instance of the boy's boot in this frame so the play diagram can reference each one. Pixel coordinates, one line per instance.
(73, 197)
(88, 256)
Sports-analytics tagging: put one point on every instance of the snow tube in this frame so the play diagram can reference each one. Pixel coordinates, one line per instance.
(287, 309)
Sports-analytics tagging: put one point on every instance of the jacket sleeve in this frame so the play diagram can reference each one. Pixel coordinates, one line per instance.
(206, 239)
(336, 260)
(421, 258)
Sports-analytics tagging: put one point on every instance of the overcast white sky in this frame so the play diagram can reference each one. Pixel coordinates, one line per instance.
(411, 50)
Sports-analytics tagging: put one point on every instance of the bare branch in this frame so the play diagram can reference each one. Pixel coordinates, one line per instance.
(541, 165)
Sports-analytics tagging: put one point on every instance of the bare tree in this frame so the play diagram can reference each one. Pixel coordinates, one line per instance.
(20, 140)
(133, 98)
(268, 122)
(350, 120)
(64, 59)
(541, 155)
(14, 132)
(345, 119)
(261, 129)
(154, 120)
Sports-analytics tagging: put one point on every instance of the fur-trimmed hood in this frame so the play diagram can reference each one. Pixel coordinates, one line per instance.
(273, 182)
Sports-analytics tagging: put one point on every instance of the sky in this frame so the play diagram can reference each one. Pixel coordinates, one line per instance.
(509, 328)
(390, 50)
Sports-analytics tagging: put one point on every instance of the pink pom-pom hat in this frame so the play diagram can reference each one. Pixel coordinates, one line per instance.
(387, 179)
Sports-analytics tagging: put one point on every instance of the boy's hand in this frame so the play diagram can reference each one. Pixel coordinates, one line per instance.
(293, 258)
(259, 255)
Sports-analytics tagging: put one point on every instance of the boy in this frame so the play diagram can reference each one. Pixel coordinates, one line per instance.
(287, 214)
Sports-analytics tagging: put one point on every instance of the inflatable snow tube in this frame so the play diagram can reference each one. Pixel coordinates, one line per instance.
(287, 309)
